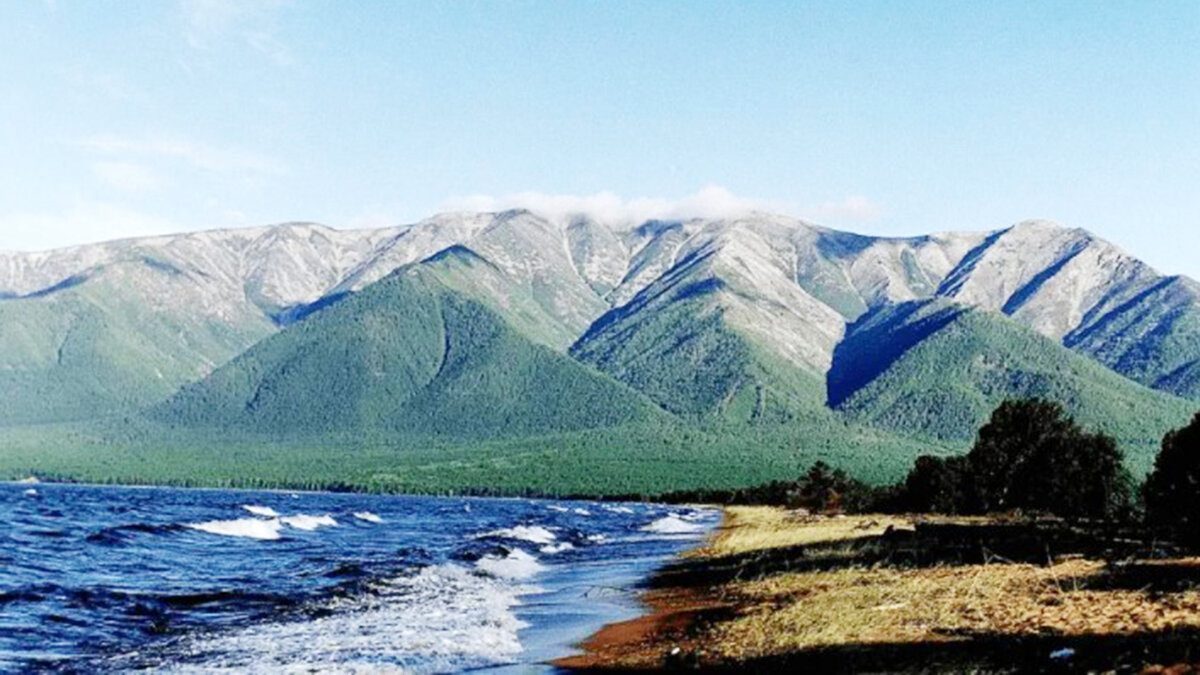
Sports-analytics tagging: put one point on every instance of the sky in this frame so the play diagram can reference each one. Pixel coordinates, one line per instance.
(891, 118)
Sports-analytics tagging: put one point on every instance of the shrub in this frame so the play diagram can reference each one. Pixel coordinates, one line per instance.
(1172, 490)
(822, 490)
(935, 485)
(1030, 456)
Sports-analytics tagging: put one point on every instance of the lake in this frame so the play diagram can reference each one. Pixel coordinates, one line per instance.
(97, 579)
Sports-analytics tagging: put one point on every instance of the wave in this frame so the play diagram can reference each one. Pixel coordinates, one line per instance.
(551, 549)
(444, 618)
(516, 564)
(252, 528)
(122, 534)
(619, 509)
(368, 516)
(303, 521)
(673, 524)
(534, 534)
(29, 593)
(264, 511)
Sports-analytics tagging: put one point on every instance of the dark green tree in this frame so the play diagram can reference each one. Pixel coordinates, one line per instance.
(1005, 449)
(936, 485)
(1172, 490)
(1032, 456)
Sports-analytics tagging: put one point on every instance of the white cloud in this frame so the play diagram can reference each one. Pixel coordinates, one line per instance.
(209, 23)
(709, 202)
(80, 224)
(126, 176)
(199, 155)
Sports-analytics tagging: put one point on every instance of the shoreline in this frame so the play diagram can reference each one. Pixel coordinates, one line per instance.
(773, 590)
(466, 494)
(669, 615)
(545, 497)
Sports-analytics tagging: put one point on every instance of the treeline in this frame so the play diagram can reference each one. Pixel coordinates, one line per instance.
(1030, 457)
(822, 489)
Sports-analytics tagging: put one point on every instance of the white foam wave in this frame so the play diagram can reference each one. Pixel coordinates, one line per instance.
(551, 549)
(619, 509)
(517, 564)
(582, 512)
(368, 516)
(673, 524)
(252, 528)
(443, 619)
(556, 507)
(31, 492)
(534, 534)
(265, 511)
(302, 521)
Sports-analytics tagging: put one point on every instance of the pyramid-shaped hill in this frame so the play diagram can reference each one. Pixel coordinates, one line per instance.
(725, 333)
(938, 369)
(407, 355)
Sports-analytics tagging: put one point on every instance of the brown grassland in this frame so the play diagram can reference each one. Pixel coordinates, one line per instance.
(776, 590)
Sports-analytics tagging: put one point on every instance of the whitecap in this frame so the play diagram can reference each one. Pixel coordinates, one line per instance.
(264, 511)
(368, 516)
(619, 509)
(673, 524)
(445, 618)
(583, 512)
(253, 528)
(556, 507)
(303, 521)
(517, 564)
(535, 534)
(551, 549)
(31, 492)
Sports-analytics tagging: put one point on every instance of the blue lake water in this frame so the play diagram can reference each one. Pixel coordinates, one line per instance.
(96, 579)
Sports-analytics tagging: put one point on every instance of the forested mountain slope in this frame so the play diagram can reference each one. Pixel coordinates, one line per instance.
(408, 355)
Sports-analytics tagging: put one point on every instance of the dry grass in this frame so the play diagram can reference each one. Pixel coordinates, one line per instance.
(754, 528)
(786, 612)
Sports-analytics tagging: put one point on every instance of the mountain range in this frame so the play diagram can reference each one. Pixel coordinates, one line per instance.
(490, 327)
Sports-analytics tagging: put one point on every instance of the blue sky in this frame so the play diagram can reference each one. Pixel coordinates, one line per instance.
(888, 118)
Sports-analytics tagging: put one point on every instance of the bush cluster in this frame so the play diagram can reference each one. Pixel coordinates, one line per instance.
(1171, 493)
(1030, 456)
(822, 489)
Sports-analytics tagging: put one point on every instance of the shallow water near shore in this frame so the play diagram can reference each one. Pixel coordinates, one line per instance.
(96, 579)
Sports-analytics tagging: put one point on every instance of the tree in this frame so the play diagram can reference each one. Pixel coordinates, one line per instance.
(935, 485)
(1079, 475)
(1030, 455)
(1172, 490)
(1005, 449)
